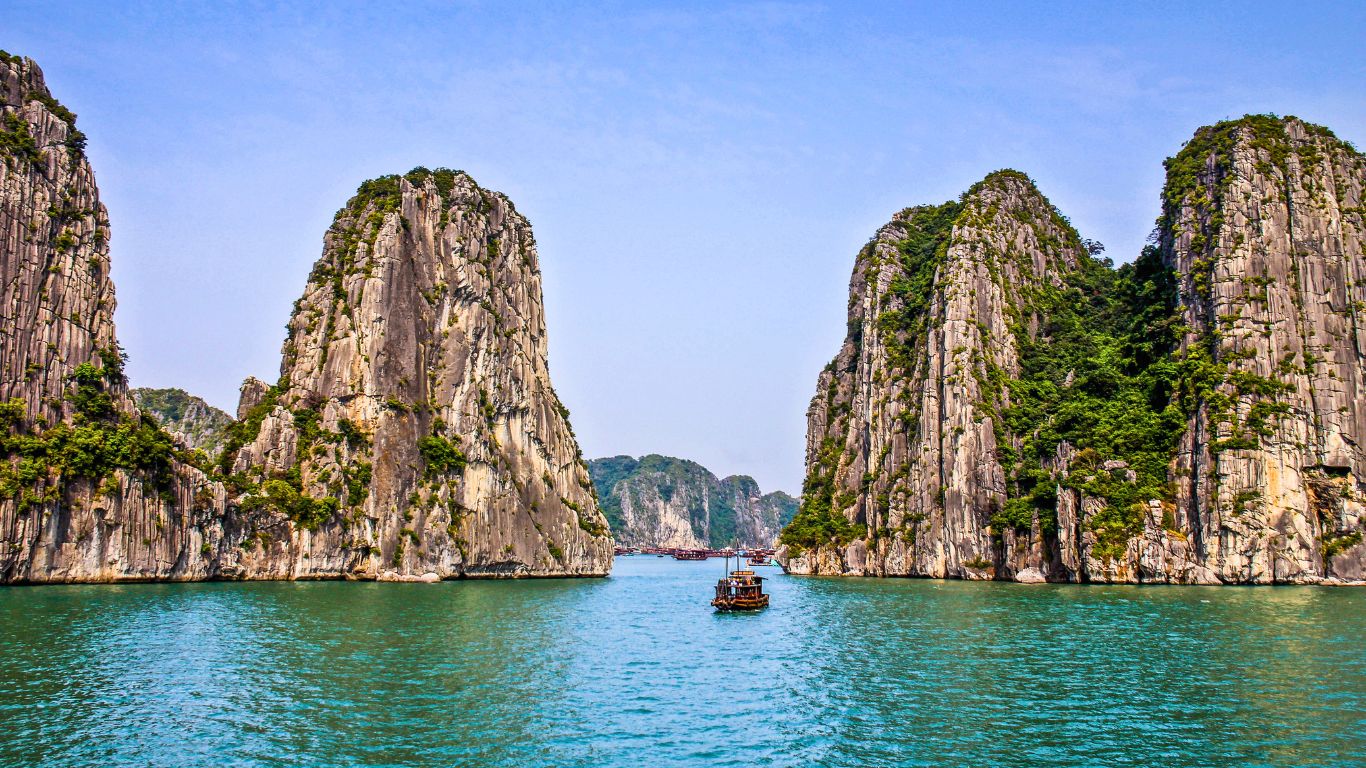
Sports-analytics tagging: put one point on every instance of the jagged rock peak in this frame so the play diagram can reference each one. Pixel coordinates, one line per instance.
(902, 442)
(58, 300)
(414, 401)
(1284, 147)
(661, 501)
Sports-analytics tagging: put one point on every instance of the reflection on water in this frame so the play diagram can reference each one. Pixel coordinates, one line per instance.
(636, 669)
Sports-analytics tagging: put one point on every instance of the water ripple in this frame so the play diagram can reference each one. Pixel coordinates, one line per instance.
(636, 669)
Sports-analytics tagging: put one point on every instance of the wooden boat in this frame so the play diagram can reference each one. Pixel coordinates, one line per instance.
(690, 554)
(757, 560)
(740, 591)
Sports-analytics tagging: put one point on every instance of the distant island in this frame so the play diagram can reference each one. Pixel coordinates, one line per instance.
(661, 501)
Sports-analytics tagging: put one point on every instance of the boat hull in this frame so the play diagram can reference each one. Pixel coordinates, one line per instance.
(736, 605)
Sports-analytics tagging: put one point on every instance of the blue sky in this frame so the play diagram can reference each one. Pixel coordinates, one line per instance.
(699, 176)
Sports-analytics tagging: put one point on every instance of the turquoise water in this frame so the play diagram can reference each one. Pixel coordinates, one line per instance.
(636, 670)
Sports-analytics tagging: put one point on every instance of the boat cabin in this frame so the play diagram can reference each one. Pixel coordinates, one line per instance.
(740, 591)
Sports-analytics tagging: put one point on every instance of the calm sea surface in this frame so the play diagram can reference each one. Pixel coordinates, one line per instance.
(636, 670)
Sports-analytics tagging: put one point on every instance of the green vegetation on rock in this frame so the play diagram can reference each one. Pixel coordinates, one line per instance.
(441, 455)
(817, 520)
(39, 461)
(282, 495)
(203, 426)
(1097, 375)
(245, 430)
(16, 142)
(921, 254)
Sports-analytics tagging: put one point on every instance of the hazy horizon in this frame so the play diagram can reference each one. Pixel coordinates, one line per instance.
(699, 180)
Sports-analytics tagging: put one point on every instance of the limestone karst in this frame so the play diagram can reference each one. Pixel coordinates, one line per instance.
(90, 489)
(661, 501)
(1006, 405)
(413, 432)
(414, 429)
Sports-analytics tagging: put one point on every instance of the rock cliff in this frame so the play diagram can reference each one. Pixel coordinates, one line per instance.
(90, 490)
(1263, 221)
(660, 501)
(192, 422)
(413, 433)
(1007, 405)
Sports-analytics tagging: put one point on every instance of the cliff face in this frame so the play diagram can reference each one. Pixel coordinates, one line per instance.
(659, 501)
(1007, 406)
(192, 422)
(58, 299)
(762, 516)
(903, 469)
(1263, 220)
(414, 432)
(89, 489)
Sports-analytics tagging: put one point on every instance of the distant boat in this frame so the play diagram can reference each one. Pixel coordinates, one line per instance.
(740, 591)
(690, 554)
